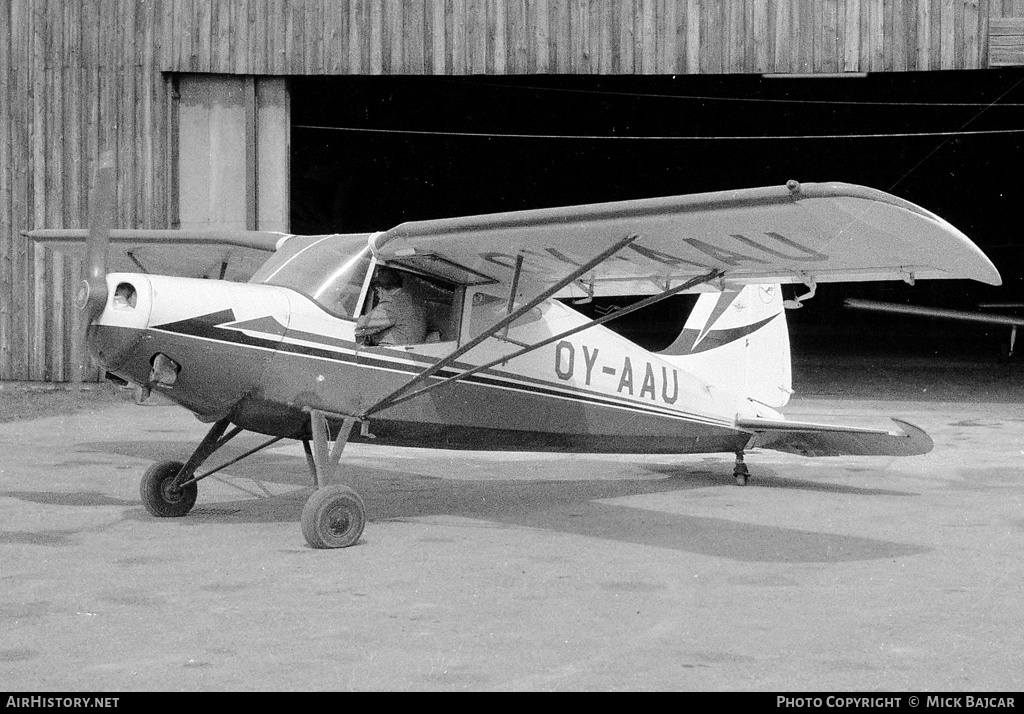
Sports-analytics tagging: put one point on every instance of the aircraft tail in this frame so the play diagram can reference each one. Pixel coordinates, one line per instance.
(738, 340)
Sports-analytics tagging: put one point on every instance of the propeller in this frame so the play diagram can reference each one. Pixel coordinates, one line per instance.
(92, 294)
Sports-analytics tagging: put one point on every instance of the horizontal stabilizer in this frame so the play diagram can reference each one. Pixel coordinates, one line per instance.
(808, 439)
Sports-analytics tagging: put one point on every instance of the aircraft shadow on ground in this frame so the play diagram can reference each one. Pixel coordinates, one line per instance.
(564, 506)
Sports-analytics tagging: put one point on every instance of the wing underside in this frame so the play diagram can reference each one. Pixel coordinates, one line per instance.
(809, 233)
(232, 255)
(807, 439)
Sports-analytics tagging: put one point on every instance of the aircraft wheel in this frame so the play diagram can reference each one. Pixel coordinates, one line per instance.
(333, 517)
(742, 474)
(157, 496)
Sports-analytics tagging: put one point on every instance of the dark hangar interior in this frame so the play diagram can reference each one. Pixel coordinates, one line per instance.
(370, 152)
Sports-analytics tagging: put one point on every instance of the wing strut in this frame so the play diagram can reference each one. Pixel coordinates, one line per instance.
(496, 327)
(714, 274)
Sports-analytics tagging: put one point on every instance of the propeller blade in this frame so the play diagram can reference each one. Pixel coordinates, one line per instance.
(101, 220)
(92, 294)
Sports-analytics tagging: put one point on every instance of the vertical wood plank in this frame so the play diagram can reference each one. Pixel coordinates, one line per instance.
(294, 38)
(203, 39)
(335, 36)
(438, 49)
(37, 174)
(959, 41)
(851, 37)
(476, 37)
(540, 20)
(256, 16)
(149, 75)
(355, 37)
(909, 36)
(558, 33)
(238, 38)
(376, 19)
(984, 7)
(806, 19)
(6, 232)
(760, 34)
(21, 76)
(395, 21)
(601, 47)
(711, 38)
(876, 19)
(898, 30)
(826, 54)
(948, 37)
(413, 32)
(496, 13)
(644, 42)
(581, 31)
(665, 30)
(126, 101)
(614, 14)
(693, 36)
(313, 29)
(923, 36)
(783, 62)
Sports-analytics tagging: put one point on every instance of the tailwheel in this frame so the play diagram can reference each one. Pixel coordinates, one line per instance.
(333, 517)
(740, 471)
(161, 497)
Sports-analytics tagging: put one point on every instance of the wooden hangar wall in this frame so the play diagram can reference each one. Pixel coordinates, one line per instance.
(75, 76)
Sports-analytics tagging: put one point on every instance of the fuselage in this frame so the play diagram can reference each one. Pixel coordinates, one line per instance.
(264, 354)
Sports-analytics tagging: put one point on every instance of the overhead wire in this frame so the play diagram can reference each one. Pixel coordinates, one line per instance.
(612, 137)
(713, 98)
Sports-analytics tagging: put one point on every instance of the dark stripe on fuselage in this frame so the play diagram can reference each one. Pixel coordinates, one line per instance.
(211, 327)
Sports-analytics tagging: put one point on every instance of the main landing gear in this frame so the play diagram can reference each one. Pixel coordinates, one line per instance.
(333, 517)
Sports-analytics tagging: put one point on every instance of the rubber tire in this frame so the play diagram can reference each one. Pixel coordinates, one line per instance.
(333, 517)
(157, 499)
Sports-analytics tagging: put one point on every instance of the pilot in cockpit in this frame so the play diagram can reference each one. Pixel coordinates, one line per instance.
(397, 319)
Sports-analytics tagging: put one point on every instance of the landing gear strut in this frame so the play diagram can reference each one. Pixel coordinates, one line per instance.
(740, 470)
(334, 516)
(168, 488)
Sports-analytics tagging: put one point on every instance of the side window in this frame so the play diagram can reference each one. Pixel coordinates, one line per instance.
(487, 310)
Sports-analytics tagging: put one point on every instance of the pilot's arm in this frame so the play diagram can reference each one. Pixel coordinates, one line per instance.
(373, 323)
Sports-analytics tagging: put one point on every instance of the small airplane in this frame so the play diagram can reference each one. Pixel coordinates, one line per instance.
(941, 313)
(506, 363)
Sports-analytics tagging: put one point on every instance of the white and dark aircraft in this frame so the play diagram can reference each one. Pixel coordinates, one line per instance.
(506, 364)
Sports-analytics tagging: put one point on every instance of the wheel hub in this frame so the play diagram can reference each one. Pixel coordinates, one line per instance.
(170, 492)
(338, 520)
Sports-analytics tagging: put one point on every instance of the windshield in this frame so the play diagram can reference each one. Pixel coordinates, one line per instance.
(329, 269)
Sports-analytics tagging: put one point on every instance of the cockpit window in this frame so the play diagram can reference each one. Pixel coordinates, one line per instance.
(329, 269)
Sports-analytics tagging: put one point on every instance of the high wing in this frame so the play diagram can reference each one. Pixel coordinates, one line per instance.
(231, 255)
(807, 439)
(797, 233)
